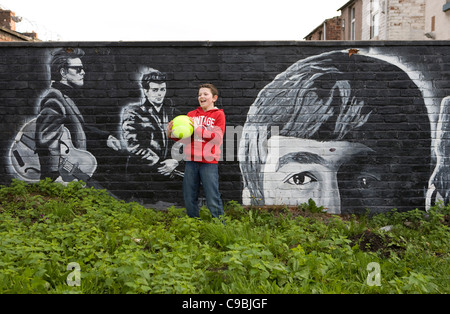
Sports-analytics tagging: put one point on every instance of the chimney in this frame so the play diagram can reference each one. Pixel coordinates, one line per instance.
(32, 35)
(6, 19)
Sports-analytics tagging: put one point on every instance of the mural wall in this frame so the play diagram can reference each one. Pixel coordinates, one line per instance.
(352, 127)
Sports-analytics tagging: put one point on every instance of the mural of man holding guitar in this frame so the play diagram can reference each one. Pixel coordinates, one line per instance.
(53, 145)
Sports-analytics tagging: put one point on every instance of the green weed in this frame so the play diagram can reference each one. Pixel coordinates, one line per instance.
(127, 248)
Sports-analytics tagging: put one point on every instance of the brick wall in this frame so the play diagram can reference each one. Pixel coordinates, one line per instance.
(351, 129)
(6, 19)
(398, 19)
(334, 28)
(406, 19)
(330, 29)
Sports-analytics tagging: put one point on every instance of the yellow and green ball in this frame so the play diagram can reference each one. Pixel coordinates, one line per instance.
(182, 127)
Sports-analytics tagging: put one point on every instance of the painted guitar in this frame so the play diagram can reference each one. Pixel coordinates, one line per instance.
(73, 164)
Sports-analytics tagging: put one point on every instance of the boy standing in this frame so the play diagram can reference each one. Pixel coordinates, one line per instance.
(202, 152)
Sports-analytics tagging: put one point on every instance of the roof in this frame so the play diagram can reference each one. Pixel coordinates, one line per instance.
(346, 5)
(18, 35)
(320, 25)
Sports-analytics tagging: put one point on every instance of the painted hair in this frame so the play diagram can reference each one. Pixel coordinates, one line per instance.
(152, 76)
(59, 60)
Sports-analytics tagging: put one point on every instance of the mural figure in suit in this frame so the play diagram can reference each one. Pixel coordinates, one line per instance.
(143, 126)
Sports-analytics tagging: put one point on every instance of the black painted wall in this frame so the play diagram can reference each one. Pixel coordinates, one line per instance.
(355, 125)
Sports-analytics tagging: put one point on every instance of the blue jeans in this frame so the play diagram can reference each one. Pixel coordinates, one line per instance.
(208, 175)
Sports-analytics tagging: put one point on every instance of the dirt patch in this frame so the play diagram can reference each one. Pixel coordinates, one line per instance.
(372, 242)
(368, 241)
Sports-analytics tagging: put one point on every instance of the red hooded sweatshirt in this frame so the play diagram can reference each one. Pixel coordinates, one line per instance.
(205, 143)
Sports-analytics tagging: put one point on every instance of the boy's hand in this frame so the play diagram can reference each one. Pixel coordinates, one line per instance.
(169, 129)
(193, 123)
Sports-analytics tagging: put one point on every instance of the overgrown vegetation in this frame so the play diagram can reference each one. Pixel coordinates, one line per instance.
(126, 248)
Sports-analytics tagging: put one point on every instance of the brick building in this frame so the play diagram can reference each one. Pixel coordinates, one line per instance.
(8, 31)
(437, 19)
(351, 16)
(394, 19)
(330, 29)
(390, 20)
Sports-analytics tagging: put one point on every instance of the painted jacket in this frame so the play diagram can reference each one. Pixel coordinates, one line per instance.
(144, 129)
(57, 110)
(205, 144)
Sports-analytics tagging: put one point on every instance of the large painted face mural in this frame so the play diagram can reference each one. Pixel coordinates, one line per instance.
(355, 130)
(342, 140)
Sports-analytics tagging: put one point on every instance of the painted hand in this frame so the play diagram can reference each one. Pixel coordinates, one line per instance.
(168, 166)
(149, 155)
(113, 143)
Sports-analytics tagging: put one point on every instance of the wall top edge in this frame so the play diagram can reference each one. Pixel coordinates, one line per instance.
(300, 43)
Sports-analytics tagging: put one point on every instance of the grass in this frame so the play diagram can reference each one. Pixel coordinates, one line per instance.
(126, 248)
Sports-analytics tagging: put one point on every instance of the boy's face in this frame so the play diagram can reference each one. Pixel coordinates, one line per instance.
(206, 99)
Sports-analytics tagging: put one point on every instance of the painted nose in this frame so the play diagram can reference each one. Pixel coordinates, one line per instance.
(329, 194)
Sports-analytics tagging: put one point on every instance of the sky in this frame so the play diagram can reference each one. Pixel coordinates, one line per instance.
(171, 20)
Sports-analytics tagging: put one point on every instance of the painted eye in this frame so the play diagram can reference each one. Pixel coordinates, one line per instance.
(301, 178)
(367, 181)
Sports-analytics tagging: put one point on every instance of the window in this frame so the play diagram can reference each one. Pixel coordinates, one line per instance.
(375, 25)
(352, 25)
(433, 23)
(375, 18)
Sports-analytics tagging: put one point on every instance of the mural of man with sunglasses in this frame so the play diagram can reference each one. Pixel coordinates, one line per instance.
(58, 113)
